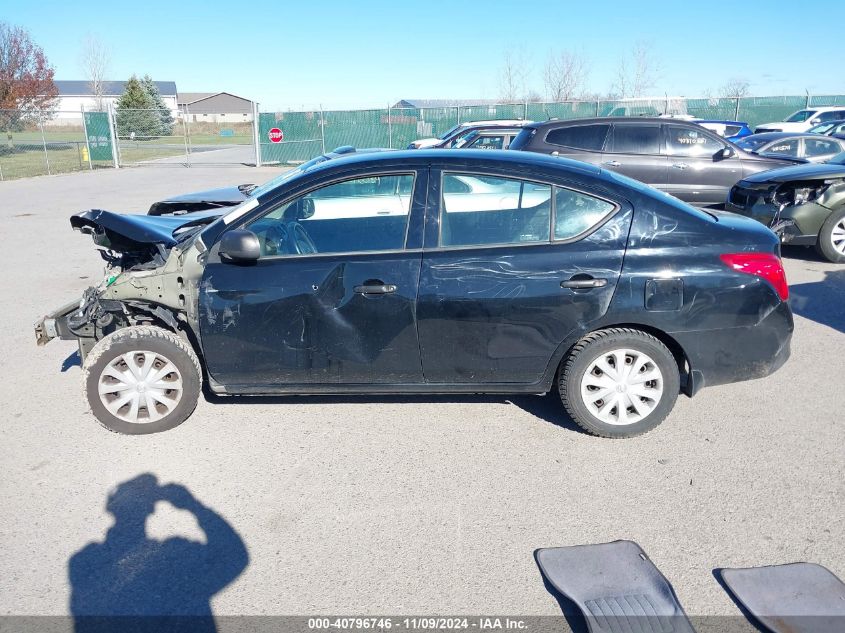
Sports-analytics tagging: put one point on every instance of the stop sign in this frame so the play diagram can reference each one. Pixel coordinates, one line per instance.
(275, 135)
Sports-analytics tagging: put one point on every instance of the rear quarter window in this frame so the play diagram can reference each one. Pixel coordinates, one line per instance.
(588, 137)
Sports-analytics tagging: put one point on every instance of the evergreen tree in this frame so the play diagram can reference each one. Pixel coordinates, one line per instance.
(164, 112)
(136, 112)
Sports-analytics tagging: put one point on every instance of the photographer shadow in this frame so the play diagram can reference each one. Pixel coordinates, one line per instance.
(130, 582)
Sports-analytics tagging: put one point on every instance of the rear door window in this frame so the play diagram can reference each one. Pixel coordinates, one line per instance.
(820, 147)
(632, 138)
(576, 213)
(478, 210)
(688, 141)
(589, 137)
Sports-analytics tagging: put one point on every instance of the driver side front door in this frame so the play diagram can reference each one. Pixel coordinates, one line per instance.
(332, 298)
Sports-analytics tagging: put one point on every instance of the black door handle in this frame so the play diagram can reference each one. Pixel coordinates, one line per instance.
(375, 289)
(583, 283)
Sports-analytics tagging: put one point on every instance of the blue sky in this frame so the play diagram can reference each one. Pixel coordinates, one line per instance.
(370, 52)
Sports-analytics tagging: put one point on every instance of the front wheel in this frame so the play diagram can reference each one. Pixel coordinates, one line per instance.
(831, 244)
(142, 379)
(619, 382)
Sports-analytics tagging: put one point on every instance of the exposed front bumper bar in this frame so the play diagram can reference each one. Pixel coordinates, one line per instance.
(53, 325)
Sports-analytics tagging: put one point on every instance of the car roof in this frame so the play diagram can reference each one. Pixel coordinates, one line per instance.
(493, 122)
(720, 121)
(608, 119)
(497, 128)
(823, 108)
(773, 136)
(464, 159)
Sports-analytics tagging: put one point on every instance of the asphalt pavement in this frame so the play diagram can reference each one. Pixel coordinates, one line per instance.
(396, 505)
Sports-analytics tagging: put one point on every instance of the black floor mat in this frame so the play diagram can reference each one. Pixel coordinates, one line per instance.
(616, 587)
(795, 598)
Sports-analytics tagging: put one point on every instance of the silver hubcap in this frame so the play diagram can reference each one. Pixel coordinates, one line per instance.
(837, 236)
(140, 387)
(622, 386)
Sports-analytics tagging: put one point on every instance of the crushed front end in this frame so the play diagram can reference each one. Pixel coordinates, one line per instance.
(153, 266)
(794, 210)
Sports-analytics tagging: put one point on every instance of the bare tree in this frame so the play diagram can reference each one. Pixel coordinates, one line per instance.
(638, 73)
(513, 77)
(565, 75)
(736, 88)
(94, 59)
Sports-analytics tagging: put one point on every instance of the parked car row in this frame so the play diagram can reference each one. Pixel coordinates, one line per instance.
(803, 120)
(694, 161)
(466, 135)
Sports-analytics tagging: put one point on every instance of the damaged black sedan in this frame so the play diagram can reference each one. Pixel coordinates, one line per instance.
(429, 272)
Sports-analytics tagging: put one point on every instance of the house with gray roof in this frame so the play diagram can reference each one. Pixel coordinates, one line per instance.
(214, 107)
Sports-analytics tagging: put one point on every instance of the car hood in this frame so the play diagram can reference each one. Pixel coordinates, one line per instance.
(128, 232)
(807, 171)
(198, 200)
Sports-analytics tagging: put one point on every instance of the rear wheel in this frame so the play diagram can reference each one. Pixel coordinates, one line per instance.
(619, 382)
(142, 379)
(831, 243)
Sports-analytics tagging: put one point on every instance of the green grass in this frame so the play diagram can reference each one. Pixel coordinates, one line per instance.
(136, 152)
(32, 163)
(34, 136)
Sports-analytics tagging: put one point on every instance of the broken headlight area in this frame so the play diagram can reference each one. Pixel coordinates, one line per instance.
(795, 193)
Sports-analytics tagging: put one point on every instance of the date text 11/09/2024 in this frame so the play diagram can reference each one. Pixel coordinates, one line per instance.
(417, 623)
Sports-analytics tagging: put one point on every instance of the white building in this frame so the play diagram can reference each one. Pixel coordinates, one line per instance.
(76, 94)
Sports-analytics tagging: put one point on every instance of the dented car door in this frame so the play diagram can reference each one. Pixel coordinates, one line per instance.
(332, 298)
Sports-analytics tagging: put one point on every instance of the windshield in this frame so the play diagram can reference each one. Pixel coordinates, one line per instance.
(464, 139)
(821, 128)
(450, 131)
(800, 116)
(286, 176)
(839, 159)
(752, 144)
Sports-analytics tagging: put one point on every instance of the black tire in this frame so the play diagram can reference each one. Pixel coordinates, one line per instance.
(588, 350)
(824, 245)
(158, 341)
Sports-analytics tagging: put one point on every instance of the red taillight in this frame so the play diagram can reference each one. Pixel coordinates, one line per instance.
(765, 265)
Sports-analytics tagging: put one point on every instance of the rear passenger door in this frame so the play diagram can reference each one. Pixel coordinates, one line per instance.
(633, 150)
(510, 268)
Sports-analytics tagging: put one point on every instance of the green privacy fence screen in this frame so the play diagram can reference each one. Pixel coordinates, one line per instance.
(293, 137)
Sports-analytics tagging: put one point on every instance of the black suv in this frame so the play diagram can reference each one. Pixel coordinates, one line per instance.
(678, 157)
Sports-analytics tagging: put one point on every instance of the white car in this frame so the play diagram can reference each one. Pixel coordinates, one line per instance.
(455, 132)
(803, 120)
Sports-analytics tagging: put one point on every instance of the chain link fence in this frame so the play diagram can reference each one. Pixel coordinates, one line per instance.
(292, 137)
(48, 143)
(61, 141)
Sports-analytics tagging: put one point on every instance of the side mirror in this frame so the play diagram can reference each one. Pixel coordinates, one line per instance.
(815, 121)
(726, 152)
(240, 245)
